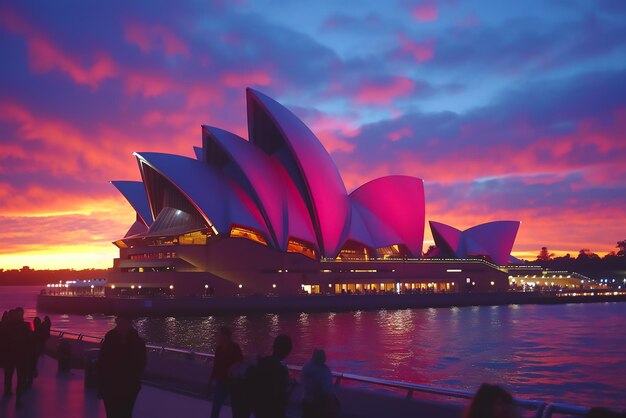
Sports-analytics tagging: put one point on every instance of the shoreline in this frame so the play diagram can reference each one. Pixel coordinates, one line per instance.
(203, 306)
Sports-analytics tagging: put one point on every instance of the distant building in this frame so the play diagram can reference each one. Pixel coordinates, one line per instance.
(272, 216)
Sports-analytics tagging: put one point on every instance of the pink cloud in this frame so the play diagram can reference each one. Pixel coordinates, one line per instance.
(149, 84)
(425, 11)
(44, 56)
(333, 131)
(244, 79)
(154, 38)
(422, 51)
(65, 149)
(384, 92)
(399, 134)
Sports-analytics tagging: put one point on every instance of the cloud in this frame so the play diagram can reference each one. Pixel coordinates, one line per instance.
(332, 130)
(522, 45)
(421, 51)
(544, 150)
(45, 56)
(384, 91)
(541, 133)
(64, 240)
(425, 11)
(241, 80)
(155, 38)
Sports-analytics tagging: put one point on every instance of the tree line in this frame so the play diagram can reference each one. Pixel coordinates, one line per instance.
(30, 277)
(585, 260)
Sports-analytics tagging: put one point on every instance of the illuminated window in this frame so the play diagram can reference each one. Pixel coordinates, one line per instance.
(392, 251)
(353, 250)
(194, 238)
(302, 247)
(120, 244)
(252, 235)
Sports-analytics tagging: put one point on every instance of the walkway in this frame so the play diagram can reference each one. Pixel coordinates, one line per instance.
(64, 396)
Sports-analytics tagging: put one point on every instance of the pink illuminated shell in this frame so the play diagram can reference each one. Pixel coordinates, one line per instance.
(493, 239)
(268, 183)
(220, 201)
(278, 132)
(391, 211)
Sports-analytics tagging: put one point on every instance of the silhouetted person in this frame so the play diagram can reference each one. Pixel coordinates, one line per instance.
(273, 377)
(35, 351)
(598, 412)
(319, 400)
(121, 363)
(4, 352)
(47, 324)
(227, 354)
(491, 401)
(20, 345)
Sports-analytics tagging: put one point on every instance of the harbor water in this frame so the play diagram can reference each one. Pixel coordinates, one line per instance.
(569, 353)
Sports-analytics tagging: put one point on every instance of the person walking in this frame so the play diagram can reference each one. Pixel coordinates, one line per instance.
(20, 345)
(227, 355)
(272, 389)
(5, 352)
(121, 362)
(318, 401)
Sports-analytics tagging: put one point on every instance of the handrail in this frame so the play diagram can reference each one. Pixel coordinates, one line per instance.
(561, 408)
(542, 410)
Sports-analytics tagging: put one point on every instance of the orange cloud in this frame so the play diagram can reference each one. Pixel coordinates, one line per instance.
(70, 240)
(598, 229)
(64, 143)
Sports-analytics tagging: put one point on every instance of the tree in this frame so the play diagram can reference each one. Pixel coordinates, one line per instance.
(545, 255)
(587, 254)
(621, 245)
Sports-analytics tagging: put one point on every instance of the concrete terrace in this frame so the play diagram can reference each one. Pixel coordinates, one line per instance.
(182, 382)
(64, 396)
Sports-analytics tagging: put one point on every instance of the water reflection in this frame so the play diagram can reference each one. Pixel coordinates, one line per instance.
(560, 353)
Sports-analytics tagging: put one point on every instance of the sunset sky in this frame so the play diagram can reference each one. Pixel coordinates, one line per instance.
(507, 110)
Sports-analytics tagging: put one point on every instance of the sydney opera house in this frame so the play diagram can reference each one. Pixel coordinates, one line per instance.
(271, 215)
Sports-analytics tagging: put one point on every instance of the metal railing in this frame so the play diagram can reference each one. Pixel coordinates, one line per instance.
(541, 409)
(560, 408)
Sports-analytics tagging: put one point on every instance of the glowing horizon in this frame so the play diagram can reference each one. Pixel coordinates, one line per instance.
(514, 112)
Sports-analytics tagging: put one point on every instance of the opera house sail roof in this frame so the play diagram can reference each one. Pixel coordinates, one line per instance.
(281, 189)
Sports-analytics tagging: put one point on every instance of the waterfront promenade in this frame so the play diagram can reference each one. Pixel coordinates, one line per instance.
(175, 384)
(63, 395)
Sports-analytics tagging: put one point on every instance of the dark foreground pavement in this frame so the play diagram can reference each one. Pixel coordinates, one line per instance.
(64, 396)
